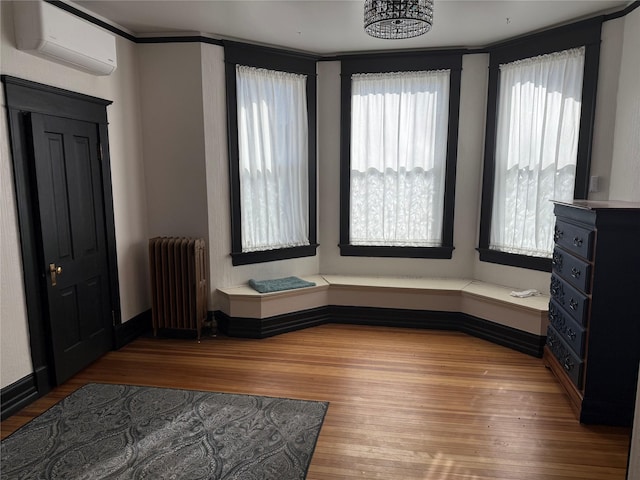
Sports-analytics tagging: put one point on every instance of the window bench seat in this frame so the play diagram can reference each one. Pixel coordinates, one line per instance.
(477, 308)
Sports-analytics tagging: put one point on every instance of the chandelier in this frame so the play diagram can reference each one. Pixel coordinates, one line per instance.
(397, 18)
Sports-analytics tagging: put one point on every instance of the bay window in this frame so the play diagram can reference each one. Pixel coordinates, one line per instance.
(537, 147)
(271, 115)
(398, 156)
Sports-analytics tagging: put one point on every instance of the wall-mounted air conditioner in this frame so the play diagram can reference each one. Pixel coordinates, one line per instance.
(50, 32)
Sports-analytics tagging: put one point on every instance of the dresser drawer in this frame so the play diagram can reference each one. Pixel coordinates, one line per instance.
(571, 364)
(575, 271)
(575, 239)
(567, 328)
(572, 300)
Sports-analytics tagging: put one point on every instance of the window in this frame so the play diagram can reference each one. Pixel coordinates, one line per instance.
(536, 149)
(537, 146)
(272, 144)
(398, 156)
(271, 114)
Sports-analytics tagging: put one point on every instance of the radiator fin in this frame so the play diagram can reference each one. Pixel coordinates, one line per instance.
(178, 283)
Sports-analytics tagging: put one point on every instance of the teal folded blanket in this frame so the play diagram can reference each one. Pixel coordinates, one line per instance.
(277, 284)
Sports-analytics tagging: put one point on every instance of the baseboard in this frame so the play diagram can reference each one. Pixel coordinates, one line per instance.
(387, 317)
(513, 338)
(128, 331)
(394, 317)
(18, 395)
(268, 327)
(28, 389)
(44, 383)
(477, 327)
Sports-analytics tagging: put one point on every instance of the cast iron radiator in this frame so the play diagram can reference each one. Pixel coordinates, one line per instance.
(178, 283)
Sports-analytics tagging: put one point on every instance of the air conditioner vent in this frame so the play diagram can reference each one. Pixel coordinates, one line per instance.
(52, 33)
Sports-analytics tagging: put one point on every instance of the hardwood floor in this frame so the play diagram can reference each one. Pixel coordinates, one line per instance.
(404, 404)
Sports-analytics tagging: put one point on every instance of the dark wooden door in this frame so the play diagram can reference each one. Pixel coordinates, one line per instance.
(72, 221)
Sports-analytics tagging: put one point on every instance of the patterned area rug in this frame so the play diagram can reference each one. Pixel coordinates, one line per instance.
(125, 432)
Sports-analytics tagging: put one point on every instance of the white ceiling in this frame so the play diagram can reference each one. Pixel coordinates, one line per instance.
(335, 26)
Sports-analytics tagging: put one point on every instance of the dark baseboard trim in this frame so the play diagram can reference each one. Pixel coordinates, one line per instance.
(268, 327)
(179, 333)
(18, 395)
(513, 338)
(128, 331)
(477, 327)
(386, 317)
(35, 385)
(44, 382)
(394, 317)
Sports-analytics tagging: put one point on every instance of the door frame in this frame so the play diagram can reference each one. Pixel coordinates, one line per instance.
(23, 97)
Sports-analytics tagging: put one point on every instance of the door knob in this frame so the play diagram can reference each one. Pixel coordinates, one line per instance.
(54, 271)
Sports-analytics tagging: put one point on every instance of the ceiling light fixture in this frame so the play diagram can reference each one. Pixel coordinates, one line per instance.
(397, 19)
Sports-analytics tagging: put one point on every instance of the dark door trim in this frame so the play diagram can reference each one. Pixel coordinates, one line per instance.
(22, 97)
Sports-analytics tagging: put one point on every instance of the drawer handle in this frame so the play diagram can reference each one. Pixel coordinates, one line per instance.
(556, 261)
(575, 273)
(571, 334)
(557, 234)
(577, 241)
(573, 304)
(556, 290)
(568, 364)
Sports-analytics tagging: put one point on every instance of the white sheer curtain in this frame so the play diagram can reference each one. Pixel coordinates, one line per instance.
(536, 149)
(272, 141)
(399, 124)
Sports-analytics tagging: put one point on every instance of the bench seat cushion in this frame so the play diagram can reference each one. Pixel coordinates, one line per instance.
(279, 284)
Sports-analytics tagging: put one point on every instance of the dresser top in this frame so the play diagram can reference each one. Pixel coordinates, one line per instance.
(602, 204)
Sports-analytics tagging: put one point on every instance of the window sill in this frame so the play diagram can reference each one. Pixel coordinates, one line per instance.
(247, 258)
(515, 260)
(347, 250)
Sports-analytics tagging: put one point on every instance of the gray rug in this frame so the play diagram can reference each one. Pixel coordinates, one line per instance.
(125, 432)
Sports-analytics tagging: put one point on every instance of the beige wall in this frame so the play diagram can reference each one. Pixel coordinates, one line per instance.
(130, 201)
(15, 357)
(625, 170)
(217, 167)
(173, 139)
(604, 124)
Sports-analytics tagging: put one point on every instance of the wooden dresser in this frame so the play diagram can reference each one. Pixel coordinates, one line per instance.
(593, 339)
